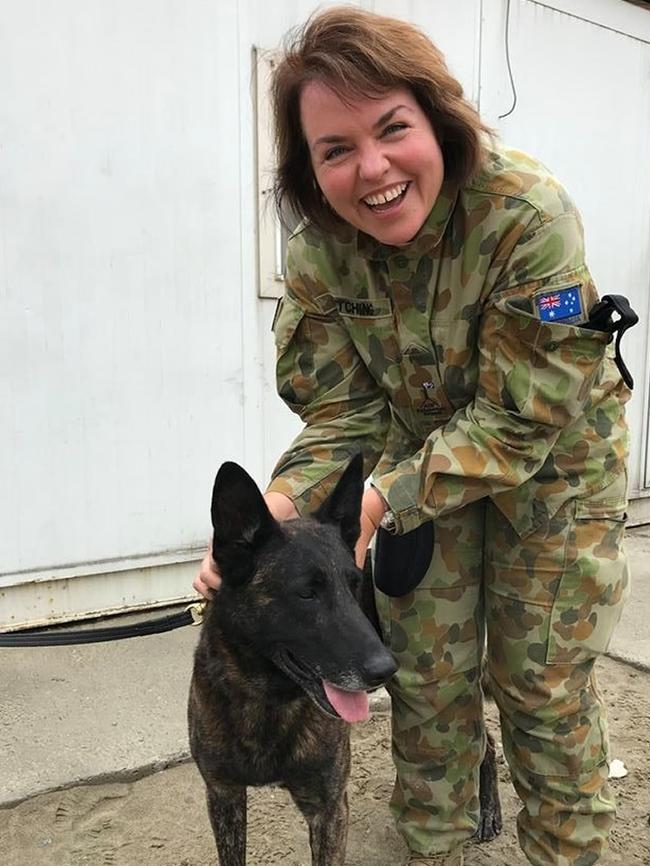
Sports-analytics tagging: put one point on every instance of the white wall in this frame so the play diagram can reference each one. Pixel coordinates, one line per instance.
(121, 275)
(135, 355)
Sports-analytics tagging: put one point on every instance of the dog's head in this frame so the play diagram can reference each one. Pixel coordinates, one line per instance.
(289, 590)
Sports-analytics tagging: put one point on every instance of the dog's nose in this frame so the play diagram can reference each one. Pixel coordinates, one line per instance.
(379, 667)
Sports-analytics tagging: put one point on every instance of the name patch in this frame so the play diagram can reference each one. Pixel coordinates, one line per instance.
(362, 308)
(564, 305)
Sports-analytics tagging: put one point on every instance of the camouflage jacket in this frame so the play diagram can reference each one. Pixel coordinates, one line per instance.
(458, 364)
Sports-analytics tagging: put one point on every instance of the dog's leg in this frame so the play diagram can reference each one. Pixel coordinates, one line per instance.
(227, 811)
(328, 826)
(490, 823)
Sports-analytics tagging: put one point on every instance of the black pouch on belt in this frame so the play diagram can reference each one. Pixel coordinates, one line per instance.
(401, 561)
(614, 315)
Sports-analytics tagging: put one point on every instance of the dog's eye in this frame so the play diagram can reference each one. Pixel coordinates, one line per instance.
(307, 593)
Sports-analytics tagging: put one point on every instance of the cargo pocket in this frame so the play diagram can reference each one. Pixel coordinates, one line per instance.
(595, 582)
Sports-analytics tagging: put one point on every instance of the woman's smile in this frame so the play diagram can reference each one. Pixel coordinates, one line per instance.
(387, 200)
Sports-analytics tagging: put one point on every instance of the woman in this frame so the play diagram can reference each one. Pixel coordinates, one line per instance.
(437, 316)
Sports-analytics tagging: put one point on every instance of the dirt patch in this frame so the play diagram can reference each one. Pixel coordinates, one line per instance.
(161, 820)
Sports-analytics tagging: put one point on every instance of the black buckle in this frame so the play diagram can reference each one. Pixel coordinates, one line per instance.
(601, 319)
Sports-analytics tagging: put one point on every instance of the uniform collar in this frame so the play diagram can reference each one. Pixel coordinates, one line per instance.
(425, 240)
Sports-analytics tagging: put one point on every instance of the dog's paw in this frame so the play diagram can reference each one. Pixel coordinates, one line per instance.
(489, 826)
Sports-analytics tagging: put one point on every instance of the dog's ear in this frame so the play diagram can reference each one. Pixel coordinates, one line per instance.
(343, 505)
(241, 521)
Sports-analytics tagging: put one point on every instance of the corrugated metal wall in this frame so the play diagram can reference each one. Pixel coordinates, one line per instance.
(135, 355)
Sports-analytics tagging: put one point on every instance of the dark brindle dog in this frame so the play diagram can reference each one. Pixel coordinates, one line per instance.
(284, 662)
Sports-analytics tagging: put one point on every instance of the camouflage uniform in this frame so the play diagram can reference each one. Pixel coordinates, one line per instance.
(459, 365)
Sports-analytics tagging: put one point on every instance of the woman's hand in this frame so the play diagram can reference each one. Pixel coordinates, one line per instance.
(373, 508)
(208, 580)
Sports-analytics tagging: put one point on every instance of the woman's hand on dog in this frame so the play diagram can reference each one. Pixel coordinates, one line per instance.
(373, 507)
(208, 580)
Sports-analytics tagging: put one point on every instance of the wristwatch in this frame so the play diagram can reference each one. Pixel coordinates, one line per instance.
(388, 520)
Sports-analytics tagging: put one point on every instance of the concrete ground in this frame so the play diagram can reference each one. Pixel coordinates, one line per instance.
(117, 710)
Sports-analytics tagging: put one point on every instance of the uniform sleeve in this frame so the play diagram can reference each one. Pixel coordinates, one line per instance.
(535, 377)
(321, 378)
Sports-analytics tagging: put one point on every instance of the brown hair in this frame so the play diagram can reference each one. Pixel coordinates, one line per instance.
(361, 53)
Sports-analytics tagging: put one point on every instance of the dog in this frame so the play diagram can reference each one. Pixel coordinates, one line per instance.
(284, 662)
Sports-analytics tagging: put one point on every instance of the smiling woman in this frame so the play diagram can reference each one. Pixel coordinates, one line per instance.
(329, 60)
(440, 317)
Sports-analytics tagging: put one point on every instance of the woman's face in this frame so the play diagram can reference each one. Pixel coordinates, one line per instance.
(377, 160)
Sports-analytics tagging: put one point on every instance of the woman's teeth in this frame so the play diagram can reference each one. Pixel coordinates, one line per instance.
(386, 197)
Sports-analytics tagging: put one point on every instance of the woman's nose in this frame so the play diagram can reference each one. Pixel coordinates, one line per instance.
(373, 163)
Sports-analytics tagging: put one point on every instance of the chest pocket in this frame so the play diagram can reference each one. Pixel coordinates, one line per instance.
(455, 345)
(371, 328)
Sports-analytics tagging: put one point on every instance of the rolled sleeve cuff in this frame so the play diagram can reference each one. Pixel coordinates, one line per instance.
(306, 499)
(400, 491)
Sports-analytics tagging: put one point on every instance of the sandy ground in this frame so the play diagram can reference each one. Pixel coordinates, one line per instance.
(161, 820)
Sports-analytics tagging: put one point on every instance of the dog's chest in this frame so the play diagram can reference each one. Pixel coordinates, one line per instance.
(248, 741)
(262, 759)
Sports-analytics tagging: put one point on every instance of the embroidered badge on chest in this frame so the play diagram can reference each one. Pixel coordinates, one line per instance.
(430, 405)
(563, 305)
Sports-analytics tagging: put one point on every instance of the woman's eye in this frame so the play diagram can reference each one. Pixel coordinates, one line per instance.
(394, 127)
(334, 152)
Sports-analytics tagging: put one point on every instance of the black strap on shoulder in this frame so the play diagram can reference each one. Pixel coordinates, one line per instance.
(39, 637)
(601, 318)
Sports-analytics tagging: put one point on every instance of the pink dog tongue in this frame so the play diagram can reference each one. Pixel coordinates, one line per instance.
(351, 706)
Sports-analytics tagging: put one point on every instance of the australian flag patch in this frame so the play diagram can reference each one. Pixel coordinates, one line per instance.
(563, 305)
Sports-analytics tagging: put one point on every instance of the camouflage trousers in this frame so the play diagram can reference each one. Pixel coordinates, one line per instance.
(547, 604)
